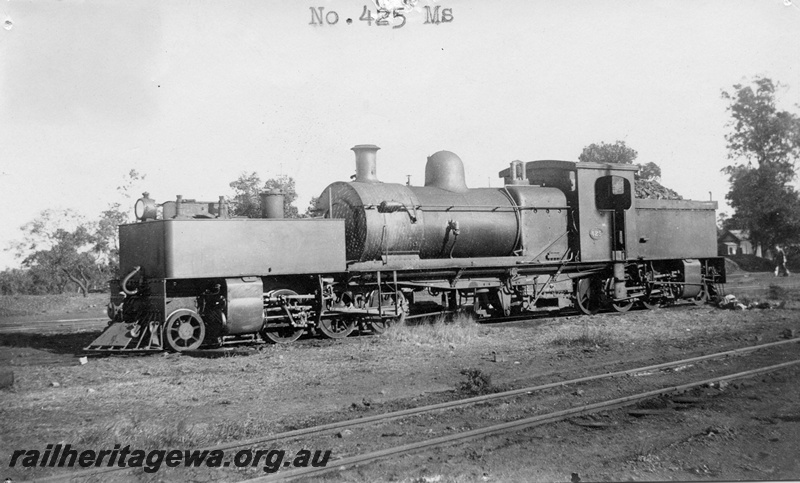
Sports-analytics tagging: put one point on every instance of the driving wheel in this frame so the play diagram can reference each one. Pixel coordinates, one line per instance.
(379, 326)
(337, 328)
(622, 306)
(702, 297)
(184, 330)
(587, 296)
(283, 335)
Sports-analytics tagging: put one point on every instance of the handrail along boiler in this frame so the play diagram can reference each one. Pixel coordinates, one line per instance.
(557, 235)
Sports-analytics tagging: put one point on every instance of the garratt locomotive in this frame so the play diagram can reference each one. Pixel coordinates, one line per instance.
(557, 235)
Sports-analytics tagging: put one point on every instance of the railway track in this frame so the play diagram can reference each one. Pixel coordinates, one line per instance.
(514, 425)
(517, 425)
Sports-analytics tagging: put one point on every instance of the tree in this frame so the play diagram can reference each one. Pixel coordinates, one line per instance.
(760, 132)
(617, 153)
(245, 198)
(650, 172)
(61, 247)
(311, 210)
(648, 176)
(66, 257)
(247, 189)
(724, 222)
(766, 207)
(106, 230)
(15, 281)
(764, 144)
(39, 233)
(106, 243)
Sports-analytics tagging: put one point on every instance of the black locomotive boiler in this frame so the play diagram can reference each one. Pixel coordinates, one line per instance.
(558, 234)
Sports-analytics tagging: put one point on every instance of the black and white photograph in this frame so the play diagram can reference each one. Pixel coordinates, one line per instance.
(417, 241)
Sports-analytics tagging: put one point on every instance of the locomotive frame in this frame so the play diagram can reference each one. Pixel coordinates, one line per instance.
(557, 235)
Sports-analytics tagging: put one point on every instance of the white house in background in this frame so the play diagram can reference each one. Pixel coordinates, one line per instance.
(736, 242)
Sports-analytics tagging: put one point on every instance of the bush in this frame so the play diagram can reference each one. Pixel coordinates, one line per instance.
(477, 383)
(752, 263)
(15, 281)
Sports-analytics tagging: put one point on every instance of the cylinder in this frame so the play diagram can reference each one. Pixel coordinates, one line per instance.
(366, 163)
(272, 204)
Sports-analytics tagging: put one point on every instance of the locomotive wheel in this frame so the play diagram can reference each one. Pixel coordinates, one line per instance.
(617, 306)
(379, 326)
(184, 330)
(622, 306)
(587, 296)
(649, 303)
(702, 297)
(282, 335)
(337, 328)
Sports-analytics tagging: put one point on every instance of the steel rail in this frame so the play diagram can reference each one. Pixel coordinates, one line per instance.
(435, 407)
(344, 463)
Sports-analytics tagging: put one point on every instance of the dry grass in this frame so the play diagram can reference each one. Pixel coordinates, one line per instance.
(584, 336)
(148, 434)
(126, 399)
(21, 305)
(461, 330)
(168, 400)
(141, 433)
(777, 292)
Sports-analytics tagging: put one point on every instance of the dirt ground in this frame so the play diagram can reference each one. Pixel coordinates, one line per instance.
(747, 431)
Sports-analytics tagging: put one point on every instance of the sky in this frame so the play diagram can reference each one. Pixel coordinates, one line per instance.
(192, 94)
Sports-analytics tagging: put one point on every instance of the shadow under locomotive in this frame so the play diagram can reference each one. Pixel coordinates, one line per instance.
(558, 235)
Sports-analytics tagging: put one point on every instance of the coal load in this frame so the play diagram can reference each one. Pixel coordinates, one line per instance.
(651, 189)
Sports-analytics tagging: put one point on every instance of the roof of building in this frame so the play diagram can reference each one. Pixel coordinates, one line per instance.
(740, 235)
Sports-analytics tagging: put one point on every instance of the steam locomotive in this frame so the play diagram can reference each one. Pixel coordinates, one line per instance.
(557, 235)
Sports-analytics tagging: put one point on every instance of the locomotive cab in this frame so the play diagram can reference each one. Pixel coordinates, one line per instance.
(600, 197)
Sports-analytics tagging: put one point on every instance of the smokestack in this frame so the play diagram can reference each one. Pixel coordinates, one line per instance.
(366, 163)
(272, 204)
